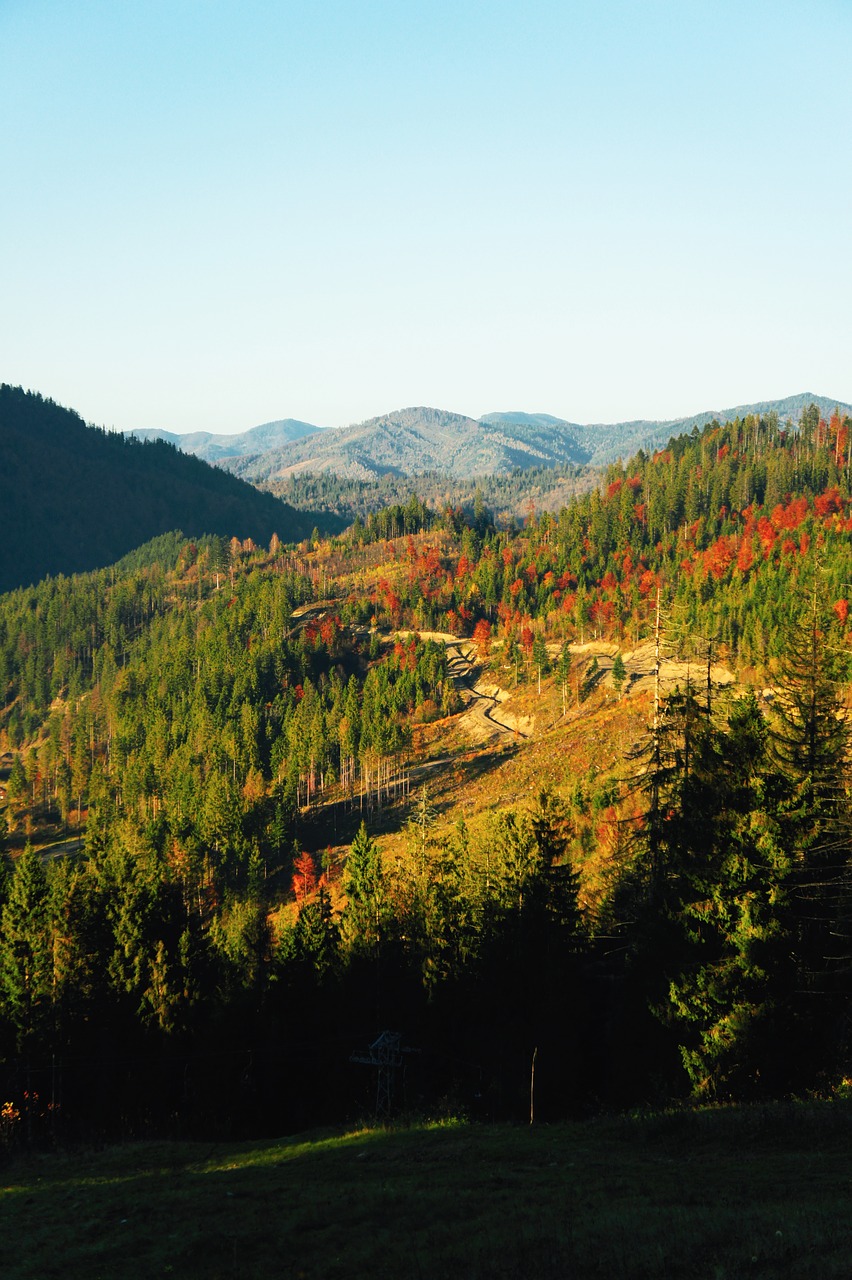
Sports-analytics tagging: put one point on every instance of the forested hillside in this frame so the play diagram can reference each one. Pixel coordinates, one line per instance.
(509, 497)
(287, 845)
(75, 497)
(606, 442)
(728, 523)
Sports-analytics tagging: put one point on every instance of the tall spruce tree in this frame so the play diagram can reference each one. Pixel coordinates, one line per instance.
(366, 912)
(810, 743)
(736, 973)
(810, 735)
(26, 952)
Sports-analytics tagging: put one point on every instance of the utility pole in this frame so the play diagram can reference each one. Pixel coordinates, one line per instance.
(386, 1055)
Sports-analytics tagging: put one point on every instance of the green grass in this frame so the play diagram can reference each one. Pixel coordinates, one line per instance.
(761, 1192)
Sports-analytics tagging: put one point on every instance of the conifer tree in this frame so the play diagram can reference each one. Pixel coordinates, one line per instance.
(366, 912)
(737, 972)
(810, 734)
(26, 963)
(810, 741)
(619, 673)
(540, 657)
(316, 936)
(563, 672)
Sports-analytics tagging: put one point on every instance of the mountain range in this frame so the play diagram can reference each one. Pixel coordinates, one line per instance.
(213, 448)
(414, 441)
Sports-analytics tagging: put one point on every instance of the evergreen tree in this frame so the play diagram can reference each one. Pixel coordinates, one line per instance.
(737, 975)
(563, 672)
(26, 952)
(365, 916)
(810, 735)
(6, 868)
(540, 657)
(810, 744)
(316, 937)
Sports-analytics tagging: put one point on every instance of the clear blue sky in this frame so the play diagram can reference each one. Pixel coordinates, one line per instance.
(216, 213)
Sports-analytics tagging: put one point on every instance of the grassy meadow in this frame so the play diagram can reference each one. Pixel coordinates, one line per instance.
(742, 1192)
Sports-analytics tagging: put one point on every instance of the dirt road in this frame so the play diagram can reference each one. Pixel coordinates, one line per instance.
(483, 719)
(639, 666)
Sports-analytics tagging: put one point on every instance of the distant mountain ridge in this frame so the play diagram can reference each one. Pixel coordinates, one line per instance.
(213, 448)
(790, 407)
(417, 440)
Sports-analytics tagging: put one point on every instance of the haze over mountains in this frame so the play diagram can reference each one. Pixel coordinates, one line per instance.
(213, 448)
(413, 441)
(605, 442)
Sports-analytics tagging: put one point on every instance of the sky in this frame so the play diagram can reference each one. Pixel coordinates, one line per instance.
(215, 214)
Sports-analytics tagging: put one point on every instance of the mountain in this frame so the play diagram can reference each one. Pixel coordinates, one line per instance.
(213, 448)
(602, 443)
(414, 441)
(75, 497)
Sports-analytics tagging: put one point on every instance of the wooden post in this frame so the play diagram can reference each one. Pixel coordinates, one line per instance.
(532, 1085)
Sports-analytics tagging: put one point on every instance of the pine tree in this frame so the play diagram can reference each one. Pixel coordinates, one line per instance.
(810, 734)
(26, 953)
(810, 741)
(619, 673)
(563, 672)
(366, 913)
(736, 974)
(540, 657)
(316, 936)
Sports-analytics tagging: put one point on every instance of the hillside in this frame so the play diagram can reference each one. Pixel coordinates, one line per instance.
(429, 778)
(213, 448)
(608, 441)
(507, 497)
(412, 441)
(74, 497)
(416, 441)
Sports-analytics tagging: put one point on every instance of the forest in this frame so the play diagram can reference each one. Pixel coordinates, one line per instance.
(227, 873)
(75, 497)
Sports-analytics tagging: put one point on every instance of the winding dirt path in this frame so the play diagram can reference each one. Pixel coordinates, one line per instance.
(478, 720)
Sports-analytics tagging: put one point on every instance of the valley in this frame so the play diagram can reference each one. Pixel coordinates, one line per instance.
(502, 787)
(425, 642)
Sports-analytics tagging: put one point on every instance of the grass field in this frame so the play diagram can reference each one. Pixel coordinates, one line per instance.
(756, 1192)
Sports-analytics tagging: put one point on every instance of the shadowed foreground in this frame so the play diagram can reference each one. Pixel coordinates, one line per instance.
(752, 1192)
